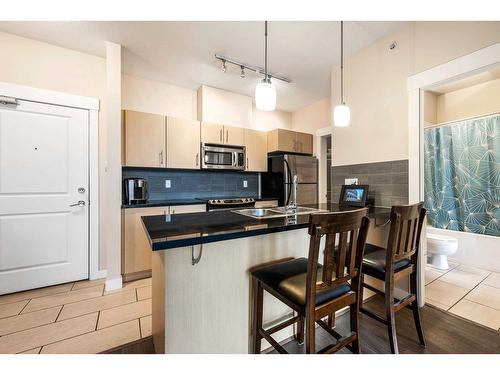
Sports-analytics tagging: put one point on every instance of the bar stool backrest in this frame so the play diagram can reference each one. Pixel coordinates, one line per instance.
(405, 231)
(341, 262)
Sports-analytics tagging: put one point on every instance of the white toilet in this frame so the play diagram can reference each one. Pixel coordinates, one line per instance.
(439, 248)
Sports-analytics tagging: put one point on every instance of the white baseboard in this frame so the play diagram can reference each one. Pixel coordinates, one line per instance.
(113, 284)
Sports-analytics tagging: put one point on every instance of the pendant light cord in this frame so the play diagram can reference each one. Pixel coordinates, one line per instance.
(265, 52)
(342, 62)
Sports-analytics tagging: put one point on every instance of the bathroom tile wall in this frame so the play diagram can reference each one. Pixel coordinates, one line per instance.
(388, 181)
(196, 184)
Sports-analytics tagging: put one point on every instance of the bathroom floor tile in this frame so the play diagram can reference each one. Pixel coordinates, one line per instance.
(478, 313)
(432, 274)
(132, 285)
(144, 292)
(485, 295)
(492, 280)
(464, 276)
(88, 283)
(444, 293)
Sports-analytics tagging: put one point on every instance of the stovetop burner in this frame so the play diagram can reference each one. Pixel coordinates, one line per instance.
(229, 203)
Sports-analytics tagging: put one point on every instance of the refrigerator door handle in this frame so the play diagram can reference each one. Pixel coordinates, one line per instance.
(289, 179)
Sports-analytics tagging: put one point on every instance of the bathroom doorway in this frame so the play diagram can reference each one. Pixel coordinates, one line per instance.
(461, 191)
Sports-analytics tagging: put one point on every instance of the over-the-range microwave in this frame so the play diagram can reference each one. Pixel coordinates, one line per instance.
(216, 156)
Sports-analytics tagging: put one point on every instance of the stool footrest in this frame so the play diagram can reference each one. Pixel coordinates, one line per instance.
(341, 342)
(265, 334)
(373, 315)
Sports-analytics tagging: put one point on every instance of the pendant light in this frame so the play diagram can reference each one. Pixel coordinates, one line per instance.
(265, 92)
(341, 113)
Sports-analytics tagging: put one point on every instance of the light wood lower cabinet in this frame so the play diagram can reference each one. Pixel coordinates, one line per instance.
(256, 150)
(136, 251)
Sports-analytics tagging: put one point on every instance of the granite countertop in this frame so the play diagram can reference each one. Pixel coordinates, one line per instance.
(178, 202)
(173, 231)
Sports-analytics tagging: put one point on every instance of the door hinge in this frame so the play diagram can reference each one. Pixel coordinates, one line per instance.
(5, 100)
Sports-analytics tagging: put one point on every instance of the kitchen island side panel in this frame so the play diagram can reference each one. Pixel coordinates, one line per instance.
(207, 306)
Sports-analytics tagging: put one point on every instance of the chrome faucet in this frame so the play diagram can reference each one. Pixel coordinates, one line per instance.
(293, 204)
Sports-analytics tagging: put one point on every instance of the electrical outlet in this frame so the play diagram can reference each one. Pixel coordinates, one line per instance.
(245, 183)
(351, 181)
(167, 184)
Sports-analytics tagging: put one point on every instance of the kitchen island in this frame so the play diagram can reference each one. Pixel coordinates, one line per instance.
(201, 283)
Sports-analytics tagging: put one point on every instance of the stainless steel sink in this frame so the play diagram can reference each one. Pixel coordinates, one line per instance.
(265, 213)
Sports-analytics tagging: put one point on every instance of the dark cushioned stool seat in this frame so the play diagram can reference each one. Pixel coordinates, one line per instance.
(289, 279)
(374, 262)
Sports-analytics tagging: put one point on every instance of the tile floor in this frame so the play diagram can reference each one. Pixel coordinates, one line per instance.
(465, 291)
(76, 317)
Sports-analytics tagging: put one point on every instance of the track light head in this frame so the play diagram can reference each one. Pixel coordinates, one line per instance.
(224, 66)
(242, 74)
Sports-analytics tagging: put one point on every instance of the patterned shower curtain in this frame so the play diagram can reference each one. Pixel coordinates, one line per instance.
(462, 175)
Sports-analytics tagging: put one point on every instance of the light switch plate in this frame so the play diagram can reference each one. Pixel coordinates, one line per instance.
(245, 183)
(168, 185)
(351, 181)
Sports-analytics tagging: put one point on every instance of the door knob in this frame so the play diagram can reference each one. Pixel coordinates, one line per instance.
(79, 204)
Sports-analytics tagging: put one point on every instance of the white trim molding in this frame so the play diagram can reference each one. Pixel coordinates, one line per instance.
(48, 96)
(92, 105)
(462, 67)
(321, 147)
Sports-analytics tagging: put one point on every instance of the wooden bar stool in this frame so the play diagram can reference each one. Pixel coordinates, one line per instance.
(400, 259)
(313, 290)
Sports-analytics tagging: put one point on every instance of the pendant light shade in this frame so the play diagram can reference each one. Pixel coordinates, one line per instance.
(265, 96)
(341, 112)
(341, 115)
(265, 92)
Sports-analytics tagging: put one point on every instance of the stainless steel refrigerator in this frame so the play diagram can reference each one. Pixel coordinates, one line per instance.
(278, 182)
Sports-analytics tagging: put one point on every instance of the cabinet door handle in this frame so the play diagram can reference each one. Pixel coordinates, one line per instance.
(227, 136)
(160, 155)
(247, 164)
(197, 156)
(220, 134)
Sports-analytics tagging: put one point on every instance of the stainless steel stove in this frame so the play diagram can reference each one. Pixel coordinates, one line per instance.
(229, 203)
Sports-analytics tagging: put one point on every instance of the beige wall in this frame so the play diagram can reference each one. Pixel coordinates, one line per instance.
(430, 108)
(476, 100)
(375, 81)
(263, 120)
(139, 94)
(313, 117)
(28, 62)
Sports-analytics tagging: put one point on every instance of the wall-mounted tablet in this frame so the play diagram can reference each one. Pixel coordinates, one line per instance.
(353, 195)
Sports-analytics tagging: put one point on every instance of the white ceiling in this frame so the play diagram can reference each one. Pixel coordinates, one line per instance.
(182, 53)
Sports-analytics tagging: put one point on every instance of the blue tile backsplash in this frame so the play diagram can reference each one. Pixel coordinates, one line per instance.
(187, 184)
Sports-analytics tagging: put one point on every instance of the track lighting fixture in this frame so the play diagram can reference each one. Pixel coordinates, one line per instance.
(242, 74)
(224, 66)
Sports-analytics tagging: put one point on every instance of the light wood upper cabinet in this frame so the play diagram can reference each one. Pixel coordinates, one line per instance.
(144, 143)
(212, 133)
(289, 141)
(183, 143)
(222, 134)
(234, 136)
(256, 150)
(304, 143)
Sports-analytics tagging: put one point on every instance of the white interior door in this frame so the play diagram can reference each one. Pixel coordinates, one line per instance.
(43, 174)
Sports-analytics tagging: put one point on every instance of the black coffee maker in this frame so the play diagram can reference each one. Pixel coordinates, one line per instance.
(135, 190)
